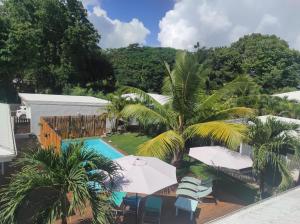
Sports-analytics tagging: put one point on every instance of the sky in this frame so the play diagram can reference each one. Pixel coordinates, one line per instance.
(182, 23)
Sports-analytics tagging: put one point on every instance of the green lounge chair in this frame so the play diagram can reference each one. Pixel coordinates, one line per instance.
(152, 210)
(195, 181)
(193, 187)
(192, 194)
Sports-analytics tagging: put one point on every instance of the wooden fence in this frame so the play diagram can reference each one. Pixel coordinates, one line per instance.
(55, 129)
(48, 137)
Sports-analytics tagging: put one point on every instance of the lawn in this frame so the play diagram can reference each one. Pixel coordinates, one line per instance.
(127, 142)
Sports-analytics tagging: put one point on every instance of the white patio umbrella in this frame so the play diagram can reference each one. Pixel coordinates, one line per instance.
(144, 175)
(218, 156)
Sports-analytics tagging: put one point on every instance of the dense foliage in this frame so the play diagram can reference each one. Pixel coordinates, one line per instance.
(46, 44)
(268, 59)
(141, 67)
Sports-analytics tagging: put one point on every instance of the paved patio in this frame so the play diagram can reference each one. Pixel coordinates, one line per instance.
(208, 210)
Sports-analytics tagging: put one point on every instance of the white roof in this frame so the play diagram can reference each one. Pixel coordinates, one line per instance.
(295, 95)
(282, 119)
(161, 99)
(61, 99)
(281, 209)
(144, 175)
(218, 156)
(7, 138)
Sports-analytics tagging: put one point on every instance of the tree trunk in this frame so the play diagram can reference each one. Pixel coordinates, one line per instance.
(177, 158)
(64, 210)
(261, 184)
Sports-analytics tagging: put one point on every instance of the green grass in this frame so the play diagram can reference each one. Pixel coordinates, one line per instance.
(127, 142)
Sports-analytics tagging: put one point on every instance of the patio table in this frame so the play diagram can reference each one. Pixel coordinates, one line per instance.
(186, 204)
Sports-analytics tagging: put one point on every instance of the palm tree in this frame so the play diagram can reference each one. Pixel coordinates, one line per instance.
(56, 185)
(271, 141)
(114, 109)
(190, 112)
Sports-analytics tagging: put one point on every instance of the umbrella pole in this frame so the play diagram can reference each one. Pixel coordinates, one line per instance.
(137, 208)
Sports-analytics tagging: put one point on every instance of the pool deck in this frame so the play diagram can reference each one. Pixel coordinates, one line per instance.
(208, 210)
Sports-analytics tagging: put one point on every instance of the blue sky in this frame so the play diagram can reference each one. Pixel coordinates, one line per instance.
(148, 11)
(182, 23)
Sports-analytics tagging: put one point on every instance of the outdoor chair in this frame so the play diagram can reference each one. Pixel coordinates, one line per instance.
(131, 204)
(195, 181)
(152, 210)
(192, 187)
(128, 205)
(194, 195)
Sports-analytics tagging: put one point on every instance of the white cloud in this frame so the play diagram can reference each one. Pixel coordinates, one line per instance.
(115, 33)
(220, 22)
(267, 24)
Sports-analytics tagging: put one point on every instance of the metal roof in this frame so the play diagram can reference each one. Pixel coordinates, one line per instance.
(61, 99)
(294, 95)
(7, 139)
(161, 99)
(282, 119)
(281, 209)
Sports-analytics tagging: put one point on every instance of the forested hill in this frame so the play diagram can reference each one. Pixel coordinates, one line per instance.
(141, 67)
(267, 59)
(50, 46)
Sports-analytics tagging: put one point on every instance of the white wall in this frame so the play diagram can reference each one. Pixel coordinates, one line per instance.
(41, 110)
(246, 149)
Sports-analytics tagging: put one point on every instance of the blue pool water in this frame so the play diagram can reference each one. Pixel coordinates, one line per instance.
(104, 149)
(97, 145)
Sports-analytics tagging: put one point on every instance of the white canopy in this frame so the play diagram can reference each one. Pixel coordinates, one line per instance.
(161, 99)
(218, 156)
(7, 139)
(144, 175)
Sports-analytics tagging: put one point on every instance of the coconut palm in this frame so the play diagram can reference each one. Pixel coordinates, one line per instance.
(51, 186)
(271, 141)
(114, 109)
(190, 112)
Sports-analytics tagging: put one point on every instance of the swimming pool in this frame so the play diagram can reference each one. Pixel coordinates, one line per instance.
(104, 149)
(97, 145)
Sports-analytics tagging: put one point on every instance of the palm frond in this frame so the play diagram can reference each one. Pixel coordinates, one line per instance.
(162, 145)
(229, 133)
(234, 112)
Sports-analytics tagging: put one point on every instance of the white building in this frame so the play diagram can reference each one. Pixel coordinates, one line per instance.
(294, 95)
(8, 148)
(281, 209)
(41, 105)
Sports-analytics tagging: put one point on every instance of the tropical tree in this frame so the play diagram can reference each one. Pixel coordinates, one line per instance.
(114, 109)
(190, 112)
(51, 186)
(271, 141)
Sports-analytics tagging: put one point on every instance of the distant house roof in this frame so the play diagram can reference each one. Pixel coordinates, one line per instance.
(61, 99)
(161, 99)
(282, 119)
(7, 139)
(294, 95)
(281, 209)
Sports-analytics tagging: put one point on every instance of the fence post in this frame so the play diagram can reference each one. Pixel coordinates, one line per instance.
(94, 125)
